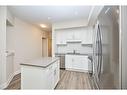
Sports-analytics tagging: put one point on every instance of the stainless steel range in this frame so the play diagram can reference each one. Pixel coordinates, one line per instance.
(62, 60)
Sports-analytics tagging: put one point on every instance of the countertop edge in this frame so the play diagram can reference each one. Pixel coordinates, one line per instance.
(73, 54)
(39, 65)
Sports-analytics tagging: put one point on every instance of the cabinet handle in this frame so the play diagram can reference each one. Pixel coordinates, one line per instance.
(55, 72)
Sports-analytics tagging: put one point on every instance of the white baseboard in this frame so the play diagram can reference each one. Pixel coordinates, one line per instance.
(78, 70)
(4, 85)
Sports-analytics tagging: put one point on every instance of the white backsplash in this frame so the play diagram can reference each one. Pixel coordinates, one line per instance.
(62, 49)
(75, 46)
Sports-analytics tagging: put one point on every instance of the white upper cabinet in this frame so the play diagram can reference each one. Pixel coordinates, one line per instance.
(70, 35)
(80, 34)
(77, 35)
(74, 35)
(87, 36)
(61, 37)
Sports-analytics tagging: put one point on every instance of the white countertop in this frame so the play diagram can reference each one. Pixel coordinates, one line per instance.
(41, 62)
(84, 54)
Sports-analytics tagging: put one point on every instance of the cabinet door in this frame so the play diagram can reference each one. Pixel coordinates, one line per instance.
(56, 73)
(77, 62)
(87, 36)
(70, 35)
(58, 38)
(84, 63)
(84, 35)
(50, 77)
(80, 63)
(77, 35)
(61, 37)
(68, 61)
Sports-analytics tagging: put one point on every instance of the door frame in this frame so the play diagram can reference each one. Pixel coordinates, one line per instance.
(46, 39)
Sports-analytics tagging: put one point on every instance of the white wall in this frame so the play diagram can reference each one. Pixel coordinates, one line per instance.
(75, 46)
(20, 37)
(2, 45)
(25, 40)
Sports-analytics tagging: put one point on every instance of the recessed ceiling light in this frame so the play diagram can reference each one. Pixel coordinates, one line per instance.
(43, 26)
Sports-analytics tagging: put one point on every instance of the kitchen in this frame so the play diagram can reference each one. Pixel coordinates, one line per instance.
(71, 44)
(74, 48)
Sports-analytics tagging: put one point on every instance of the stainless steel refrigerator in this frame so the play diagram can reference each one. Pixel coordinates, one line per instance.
(106, 49)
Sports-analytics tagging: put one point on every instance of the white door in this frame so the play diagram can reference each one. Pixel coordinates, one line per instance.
(44, 47)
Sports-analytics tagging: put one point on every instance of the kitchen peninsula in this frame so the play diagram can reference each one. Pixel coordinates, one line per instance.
(41, 73)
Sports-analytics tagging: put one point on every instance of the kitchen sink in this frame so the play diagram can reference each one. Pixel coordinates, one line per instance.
(74, 53)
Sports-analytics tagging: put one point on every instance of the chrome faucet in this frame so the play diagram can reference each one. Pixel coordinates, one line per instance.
(74, 51)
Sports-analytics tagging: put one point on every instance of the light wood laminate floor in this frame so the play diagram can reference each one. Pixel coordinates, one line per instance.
(68, 80)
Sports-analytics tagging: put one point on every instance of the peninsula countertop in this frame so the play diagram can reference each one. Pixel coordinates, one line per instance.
(85, 54)
(41, 62)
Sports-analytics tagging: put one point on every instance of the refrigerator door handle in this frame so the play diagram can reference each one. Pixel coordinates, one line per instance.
(100, 52)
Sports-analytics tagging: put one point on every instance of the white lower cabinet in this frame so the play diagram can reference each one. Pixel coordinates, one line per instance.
(68, 61)
(50, 77)
(34, 77)
(76, 62)
(53, 75)
(56, 73)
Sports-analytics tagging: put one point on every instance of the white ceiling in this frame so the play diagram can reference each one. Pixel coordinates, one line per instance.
(39, 14)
